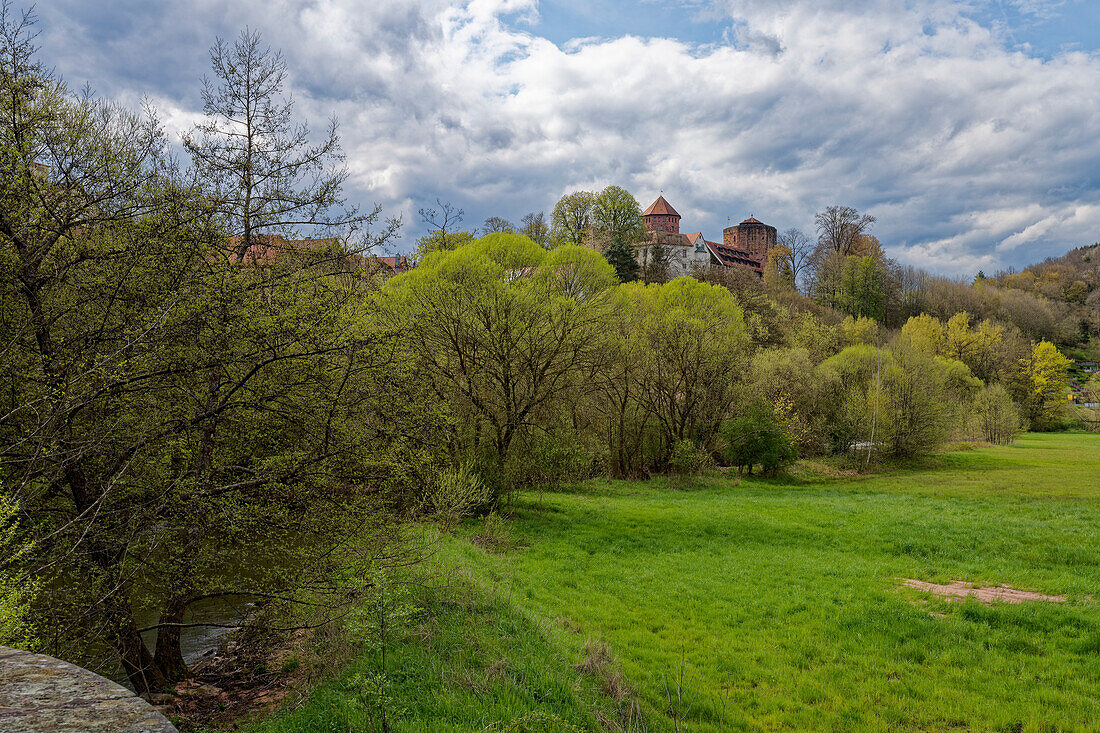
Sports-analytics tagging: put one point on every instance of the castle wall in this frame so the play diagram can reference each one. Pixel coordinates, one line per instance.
(754, 238)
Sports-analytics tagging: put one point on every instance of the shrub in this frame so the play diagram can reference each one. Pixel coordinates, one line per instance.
(996, 415)
(457, 493)
(758, 437)
(688, 459)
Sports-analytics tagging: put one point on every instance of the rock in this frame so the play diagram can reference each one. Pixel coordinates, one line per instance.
(40, 694)
(205, 690)
(158, 698)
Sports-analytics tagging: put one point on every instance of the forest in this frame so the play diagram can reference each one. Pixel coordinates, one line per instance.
(207, 363)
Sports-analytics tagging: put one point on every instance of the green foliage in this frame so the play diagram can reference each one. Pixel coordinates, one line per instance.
(688, 459)
(1039, 385)
(860, 291)
(17, 588)
(436, 241)
(758, 437)
(616, 217)
(456, 494)
(572, 218)
(996, 415)
(621, 256)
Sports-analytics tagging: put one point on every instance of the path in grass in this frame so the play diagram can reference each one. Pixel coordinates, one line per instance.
(783, 596)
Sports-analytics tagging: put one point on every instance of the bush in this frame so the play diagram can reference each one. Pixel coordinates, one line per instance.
(758, 437)
(457, 493)
(688, 459)
(996, 415)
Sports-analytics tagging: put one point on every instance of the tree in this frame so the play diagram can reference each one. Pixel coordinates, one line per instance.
(536, 229)
(572, 218)
(777, 271)
(757, 437)
(693, 335)
(503, 329)
(800, 251)
(996, 415)
(72, 167)
(495, 225)
(621, 256)
(656, 261)
(1040, 386)
(164, 389)
(616, 217)
(266, 176)
(860, 291)
(839, 228)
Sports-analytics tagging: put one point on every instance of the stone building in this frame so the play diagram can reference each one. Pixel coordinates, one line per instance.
(743, 245)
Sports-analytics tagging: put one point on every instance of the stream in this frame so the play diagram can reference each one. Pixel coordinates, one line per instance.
(198, 642)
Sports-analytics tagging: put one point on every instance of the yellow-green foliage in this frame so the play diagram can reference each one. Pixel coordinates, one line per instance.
(1040, 384)
(16, 590)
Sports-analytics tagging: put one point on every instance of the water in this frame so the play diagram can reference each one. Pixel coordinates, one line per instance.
(198, 642)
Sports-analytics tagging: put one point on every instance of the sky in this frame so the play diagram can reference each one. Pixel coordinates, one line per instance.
(970, 129)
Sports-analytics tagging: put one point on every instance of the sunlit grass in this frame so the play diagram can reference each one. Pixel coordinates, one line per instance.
(780, 596)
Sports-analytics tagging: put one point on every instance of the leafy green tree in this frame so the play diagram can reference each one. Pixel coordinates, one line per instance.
(439, 241)
(860, 292)
(571, 219)
(693, 335)
(165, 389)
(616, 217)
(502, 329)
(996, 415)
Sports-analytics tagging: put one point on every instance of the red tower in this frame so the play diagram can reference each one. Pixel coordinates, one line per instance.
(661, 217)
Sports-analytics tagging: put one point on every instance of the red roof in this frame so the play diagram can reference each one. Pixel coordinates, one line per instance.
(660, 207)
(752, 220)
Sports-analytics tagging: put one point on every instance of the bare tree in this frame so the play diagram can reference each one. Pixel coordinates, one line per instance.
(267, 175)
(496, 225)
(443, 221)
(840, 227)
(801, 249)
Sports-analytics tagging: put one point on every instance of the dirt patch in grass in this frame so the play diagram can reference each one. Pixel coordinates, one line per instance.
(960, 590)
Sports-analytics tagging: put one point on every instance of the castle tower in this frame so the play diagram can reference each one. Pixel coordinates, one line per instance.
(661, 217)
(752, 236)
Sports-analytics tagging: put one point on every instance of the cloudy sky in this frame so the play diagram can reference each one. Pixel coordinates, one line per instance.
(970, 129)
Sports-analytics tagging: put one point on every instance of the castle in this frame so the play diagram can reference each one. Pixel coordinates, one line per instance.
(745, 244)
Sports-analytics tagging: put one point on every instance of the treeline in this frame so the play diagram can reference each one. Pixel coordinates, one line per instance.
(548, 368)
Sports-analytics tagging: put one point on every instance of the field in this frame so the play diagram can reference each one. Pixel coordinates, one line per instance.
(773, 604)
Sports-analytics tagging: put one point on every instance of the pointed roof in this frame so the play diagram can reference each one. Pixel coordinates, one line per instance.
(660, 207)
(752, 220)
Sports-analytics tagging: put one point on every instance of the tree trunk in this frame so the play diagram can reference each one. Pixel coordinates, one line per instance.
(140, 668)
(169, 655)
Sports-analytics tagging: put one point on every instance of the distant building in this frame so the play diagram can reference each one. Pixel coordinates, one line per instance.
(267, 248)
(744, 245)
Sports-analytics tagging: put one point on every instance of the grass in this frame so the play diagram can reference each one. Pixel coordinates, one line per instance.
(773, 604)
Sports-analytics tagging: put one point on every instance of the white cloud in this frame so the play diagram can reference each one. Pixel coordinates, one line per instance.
(970, 153)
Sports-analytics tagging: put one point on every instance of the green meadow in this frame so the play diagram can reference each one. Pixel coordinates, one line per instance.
(766, 605)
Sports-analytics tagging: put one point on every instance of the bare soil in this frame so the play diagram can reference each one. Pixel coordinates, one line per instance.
(960, 590)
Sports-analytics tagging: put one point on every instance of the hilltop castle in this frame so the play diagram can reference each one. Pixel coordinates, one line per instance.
(744, 245)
